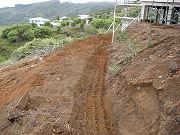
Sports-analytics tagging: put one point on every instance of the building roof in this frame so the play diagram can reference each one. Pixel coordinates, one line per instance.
(162, 1)
(64, 17)
(84, 16)
(39, 18)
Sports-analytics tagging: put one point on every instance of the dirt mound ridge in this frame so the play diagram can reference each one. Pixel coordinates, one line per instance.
(65, 90)
(145, 94)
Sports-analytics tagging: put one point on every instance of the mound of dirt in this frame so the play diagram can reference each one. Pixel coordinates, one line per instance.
(60, 93)
(145, 94)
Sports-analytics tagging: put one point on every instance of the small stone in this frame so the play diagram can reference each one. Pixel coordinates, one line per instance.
(178, 119)
(160, 77)
(173, 67)
(172, 110)
(178, 53)
(151, 56)
(171, 56)
(15, 116)
(58, 79)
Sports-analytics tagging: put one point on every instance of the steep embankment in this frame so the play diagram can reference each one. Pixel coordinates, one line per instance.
(145, 93)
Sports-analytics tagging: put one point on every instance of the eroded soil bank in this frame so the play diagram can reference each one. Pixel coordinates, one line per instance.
(143, 81)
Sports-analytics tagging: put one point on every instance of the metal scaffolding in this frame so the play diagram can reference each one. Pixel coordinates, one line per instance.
(165, 12)
(126, 4)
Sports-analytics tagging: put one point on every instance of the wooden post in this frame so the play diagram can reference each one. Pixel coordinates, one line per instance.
(114, 22)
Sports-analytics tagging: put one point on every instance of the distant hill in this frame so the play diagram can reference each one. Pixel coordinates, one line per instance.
(50, 10)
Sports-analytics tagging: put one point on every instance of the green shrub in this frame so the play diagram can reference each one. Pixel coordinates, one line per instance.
(102, 23)
(121, 36)
(5, 32)
(28, 35)
(64, 23)
(12, 35)
(82, 25)
(2, 58)
(77, 20)
(73, 24)
(18, 33)
(92, 31)
(43, 32)
(35, 47)
(48, 24)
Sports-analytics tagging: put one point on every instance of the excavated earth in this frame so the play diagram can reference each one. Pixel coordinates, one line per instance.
(93, 87)
(64, 92)
(145, 92)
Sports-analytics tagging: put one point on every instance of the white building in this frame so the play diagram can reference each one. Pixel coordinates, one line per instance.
(39, 21)
(166, 11)
(63, 18)
(84, 17)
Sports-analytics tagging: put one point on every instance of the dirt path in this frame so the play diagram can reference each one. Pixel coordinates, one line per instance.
(65, 88)
(91, 114)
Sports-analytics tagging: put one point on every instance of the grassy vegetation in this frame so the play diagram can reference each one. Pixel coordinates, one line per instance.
(6, 48)
(149, 42)
(26, 40)
(113, 69)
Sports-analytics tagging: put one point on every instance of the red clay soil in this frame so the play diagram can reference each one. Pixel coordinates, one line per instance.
(68, 94)
(145, 94)
(65, 88)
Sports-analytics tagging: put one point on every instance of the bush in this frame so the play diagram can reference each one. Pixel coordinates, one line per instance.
(73, 24)
(12, 36)
(28, 35)
(48, 24)
(26, 32)
(18, 33)
(102, 23)
(82, 25)
(43, 32)
(92, 31)
(121, 36)
(64, 23)
(36, 47)
(5, 32)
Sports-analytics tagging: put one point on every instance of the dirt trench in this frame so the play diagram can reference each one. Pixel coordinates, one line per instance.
(65, 89)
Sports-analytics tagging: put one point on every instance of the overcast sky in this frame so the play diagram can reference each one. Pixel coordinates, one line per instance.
(11, 3)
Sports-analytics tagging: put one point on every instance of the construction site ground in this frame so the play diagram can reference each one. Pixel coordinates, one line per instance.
(93, 87)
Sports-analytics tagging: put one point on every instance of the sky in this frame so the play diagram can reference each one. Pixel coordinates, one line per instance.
(11, 3)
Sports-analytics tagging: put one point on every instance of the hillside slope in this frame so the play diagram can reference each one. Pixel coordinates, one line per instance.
(145, 94)
(75, 90)
(50, 10)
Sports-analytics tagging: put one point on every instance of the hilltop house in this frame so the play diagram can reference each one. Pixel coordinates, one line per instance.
(63, 18)
(84, 17)
(39, 21)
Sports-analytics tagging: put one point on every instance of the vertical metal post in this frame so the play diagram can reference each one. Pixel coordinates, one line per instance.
(114, 22)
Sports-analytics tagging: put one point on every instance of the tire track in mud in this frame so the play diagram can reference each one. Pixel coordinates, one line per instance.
(76, 74)
(90, 115)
